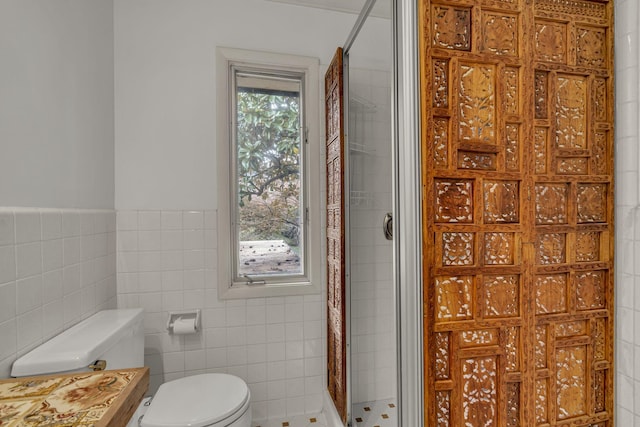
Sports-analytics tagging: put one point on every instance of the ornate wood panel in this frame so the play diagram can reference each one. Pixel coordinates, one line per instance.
(336, 323)
(517, 110)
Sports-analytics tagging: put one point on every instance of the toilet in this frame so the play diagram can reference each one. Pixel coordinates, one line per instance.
(116, 336)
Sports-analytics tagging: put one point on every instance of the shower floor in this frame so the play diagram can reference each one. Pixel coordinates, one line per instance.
(381, 413)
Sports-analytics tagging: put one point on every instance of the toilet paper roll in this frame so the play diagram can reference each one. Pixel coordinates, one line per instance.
(183, 326)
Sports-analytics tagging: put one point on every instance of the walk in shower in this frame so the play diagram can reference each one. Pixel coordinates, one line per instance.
(371, 292)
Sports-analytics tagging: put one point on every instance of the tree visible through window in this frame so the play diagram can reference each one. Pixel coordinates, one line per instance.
(268, 151)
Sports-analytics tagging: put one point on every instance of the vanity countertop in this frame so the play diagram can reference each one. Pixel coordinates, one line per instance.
(100, 399)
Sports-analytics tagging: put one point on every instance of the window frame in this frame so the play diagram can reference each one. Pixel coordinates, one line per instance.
(228, 59)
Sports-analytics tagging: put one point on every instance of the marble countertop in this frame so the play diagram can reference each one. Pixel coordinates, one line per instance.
(101, 398)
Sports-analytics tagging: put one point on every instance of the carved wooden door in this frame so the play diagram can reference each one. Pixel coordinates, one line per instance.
(336, 323)
(517, 114)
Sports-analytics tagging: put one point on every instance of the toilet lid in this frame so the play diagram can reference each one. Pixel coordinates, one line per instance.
(196, 401)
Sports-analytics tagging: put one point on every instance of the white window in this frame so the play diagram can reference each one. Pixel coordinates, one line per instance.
(268, 173)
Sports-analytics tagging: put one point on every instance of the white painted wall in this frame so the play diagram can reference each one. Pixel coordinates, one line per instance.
(56, 103)
(165, 90)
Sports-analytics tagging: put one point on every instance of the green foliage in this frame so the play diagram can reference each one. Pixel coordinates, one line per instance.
(268, 156)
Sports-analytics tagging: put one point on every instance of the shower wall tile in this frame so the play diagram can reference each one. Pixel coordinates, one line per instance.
(57, 267)
(627, 212)
(167, 260)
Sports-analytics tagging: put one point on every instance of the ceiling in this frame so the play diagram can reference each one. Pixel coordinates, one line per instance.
(381, 9)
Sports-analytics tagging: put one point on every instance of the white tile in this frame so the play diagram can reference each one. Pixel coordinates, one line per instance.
(171, 220)
(149, 220)
(149, 261)
(313, 348)
(150, 281)
(172, 301)
(71, 279)
(193, 299)
(258, 392)
(210, 220)
(28, 227)
(151, 302)
(52, 318)
(52, 288)
(72, 307)
(275, 313)
(172, 240)
(127, 240)
(193, 239)
(71, 251)
(294, 350)
(237, 355)
(216, 357)
(88, 247)
(172, 280)
(256, 315)
(28, 294)
(194, 279)
(150, 240)
(28, 259)
(214, 317)
(29, 327)
(195, 360)
(172, 260)
(256, 372)
(276, 408)
(71, 225)
(236, 316)
(88, 299)
(276, 352)
(193, 220)
(215, 337)
(313, 366)
(276, 389)
(236, 336)
(294, 368)
(173, 362)
(7, 302)
(194, 259)
(127, 220)
(256, 353)
(7, 228)
(294, 331)
(7, 264)
(8, 338)
(52, 254)
(295, 405)
(256, 334)
(275, 333)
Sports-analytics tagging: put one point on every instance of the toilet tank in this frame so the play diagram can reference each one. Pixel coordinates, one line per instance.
(115, 336)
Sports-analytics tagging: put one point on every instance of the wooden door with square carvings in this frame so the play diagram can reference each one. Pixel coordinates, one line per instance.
(517, 143)
(336, 301)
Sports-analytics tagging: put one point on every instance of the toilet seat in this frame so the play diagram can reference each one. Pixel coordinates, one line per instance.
(197, 401)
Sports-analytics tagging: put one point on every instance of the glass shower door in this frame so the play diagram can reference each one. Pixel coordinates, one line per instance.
(370, 275)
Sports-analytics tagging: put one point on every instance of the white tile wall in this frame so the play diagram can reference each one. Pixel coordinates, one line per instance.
(167, 260)
(627, 213)
(57, 267)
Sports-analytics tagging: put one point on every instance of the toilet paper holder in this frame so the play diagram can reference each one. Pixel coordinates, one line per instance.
(191, 316)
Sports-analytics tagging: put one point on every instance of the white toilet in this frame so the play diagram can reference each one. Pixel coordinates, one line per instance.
(116, 336)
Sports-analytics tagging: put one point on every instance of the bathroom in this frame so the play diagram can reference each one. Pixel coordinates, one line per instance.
(108, 187)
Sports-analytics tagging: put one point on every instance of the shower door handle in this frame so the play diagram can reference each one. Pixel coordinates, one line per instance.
(387, 226)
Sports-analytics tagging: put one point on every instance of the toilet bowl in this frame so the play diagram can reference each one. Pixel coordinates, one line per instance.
(201, 400)
(116, 337)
